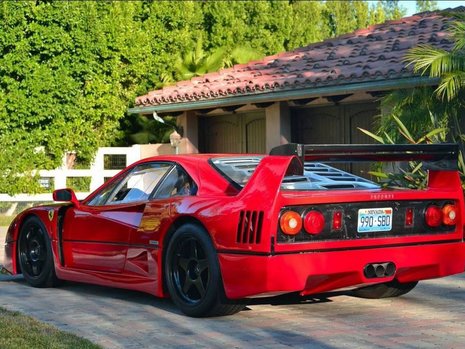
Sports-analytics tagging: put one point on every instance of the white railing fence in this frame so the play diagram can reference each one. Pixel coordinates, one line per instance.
(108, 162)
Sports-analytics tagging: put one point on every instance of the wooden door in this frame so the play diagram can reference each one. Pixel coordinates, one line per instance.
(255, 133)
(319, 126)
(235, 133)
(358, 116)
(220, 134)
(336, 125)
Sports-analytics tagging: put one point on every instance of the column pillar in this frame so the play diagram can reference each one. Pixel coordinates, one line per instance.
(278, 125)
(189, 121)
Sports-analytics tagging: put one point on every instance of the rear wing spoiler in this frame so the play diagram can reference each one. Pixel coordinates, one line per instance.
(439, 157)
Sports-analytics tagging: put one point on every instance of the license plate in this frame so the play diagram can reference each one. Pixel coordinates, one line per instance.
(374, 220)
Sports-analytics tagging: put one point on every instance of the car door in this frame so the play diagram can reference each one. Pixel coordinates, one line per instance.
(96, 235)
(158, 215)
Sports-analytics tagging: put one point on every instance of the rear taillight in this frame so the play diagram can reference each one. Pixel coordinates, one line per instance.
(290, 223)
(314, 222)
(433, 216)
(409, 217)
(337, 221)
(436, 216)
(449, 213)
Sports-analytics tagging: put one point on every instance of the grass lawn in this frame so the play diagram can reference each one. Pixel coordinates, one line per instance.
(19, 331)
(5, 220)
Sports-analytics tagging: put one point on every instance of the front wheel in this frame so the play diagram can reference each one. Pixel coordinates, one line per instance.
(35, 254)
(389, 289)
(193, 275)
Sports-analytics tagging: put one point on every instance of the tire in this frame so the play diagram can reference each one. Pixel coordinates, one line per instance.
(389, 289)
(35, 254)
(193, 276)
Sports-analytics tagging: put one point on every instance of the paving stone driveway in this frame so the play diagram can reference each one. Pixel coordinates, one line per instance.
(431, 316)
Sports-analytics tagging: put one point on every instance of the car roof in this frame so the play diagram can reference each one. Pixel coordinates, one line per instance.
(209, 180)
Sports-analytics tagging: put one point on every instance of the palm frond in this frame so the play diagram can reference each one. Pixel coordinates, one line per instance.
(403, 130)
(372, 135)
(390, 140)
(451, 84)
(428, 59)
(430, 136)
(458, 30)
(215, 61)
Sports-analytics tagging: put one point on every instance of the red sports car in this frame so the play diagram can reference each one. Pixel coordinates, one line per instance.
(210, 231)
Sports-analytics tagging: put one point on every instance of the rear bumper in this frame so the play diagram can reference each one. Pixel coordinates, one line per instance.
(247, 275)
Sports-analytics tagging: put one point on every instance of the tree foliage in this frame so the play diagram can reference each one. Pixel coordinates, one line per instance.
(392, 9)
(422, 111)
(426, 5)
(447, 101)
(69, 70)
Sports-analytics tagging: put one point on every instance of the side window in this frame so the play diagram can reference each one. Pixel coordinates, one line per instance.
(176, 183)
(102, 197)
(138, 185)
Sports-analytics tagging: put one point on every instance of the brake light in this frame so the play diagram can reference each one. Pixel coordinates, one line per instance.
(409, 217)
(433, 216)
(449, 214)
(290, 223)
(314, 222)
(337, 221)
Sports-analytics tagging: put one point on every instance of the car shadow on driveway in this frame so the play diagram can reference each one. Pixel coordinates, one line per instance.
(91, 291)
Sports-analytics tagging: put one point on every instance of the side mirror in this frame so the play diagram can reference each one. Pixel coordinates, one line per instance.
(66, 195)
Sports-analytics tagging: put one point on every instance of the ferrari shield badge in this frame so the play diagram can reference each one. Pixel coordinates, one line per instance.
(51, 213)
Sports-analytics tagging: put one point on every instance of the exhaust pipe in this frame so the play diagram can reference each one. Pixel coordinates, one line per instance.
(379, 270)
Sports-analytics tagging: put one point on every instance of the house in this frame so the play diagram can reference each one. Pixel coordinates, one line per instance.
(319, 93)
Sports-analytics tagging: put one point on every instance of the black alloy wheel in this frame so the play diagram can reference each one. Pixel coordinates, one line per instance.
(35, 254)
(193, 275)
(191, 272)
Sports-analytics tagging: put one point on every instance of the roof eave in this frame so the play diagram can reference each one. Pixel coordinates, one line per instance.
(275, 96)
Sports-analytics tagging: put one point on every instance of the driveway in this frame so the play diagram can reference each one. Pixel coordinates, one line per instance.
(431, 316)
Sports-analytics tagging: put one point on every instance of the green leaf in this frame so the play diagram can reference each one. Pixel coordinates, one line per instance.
(372, 135)
(431, 134)
(403, 129)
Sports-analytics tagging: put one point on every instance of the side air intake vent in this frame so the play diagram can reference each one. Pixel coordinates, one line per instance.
(249, 229)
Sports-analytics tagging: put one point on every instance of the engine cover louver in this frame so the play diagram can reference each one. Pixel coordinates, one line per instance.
(250, 227)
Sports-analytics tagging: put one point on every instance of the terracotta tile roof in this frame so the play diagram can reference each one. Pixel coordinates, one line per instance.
(366, 55)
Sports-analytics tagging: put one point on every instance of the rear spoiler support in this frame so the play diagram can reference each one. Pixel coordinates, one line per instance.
(439, 157)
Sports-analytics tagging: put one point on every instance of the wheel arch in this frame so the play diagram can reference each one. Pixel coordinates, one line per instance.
(22, 222)
(179, 222)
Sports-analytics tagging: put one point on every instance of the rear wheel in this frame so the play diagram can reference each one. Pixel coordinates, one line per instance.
(389, 289)
(193, 275)
(35, 254)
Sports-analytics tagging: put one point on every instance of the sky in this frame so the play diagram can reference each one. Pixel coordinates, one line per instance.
(410, 6)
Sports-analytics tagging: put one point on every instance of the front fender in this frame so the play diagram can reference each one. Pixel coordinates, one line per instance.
(49, 217)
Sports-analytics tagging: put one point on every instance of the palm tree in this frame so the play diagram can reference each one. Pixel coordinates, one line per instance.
(446, 103)
(449, 66)
(429, 114)
(198, 62)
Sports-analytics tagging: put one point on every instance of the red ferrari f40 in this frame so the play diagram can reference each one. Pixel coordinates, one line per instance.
(211, 231)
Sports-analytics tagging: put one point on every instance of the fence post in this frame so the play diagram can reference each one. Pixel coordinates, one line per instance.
(97, 168)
